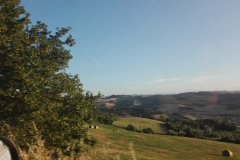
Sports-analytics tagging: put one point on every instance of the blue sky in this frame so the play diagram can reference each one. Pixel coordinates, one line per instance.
(148, 46)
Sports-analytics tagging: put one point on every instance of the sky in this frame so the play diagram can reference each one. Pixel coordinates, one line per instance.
(148, 46)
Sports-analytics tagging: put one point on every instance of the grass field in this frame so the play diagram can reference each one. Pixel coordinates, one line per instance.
(125, 145)
(156, 126)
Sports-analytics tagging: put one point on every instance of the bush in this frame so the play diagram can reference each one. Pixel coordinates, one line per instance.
(131, 128)
(148, 130)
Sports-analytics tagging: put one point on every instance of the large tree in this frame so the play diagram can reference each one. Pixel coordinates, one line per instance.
(35, 90)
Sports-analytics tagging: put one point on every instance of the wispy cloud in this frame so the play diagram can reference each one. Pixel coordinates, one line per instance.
(97, 63)
(155, 81)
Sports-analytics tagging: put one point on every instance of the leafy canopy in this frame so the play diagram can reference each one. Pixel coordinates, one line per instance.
(37, 96)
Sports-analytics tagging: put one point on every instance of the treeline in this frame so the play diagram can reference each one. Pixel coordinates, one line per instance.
(204, 128)
(105, 118)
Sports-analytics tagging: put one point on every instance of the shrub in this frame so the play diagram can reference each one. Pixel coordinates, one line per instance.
(148, 130)
(131, 128)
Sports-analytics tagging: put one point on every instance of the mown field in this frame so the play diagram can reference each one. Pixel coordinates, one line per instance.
(156, 126)
(125, 145)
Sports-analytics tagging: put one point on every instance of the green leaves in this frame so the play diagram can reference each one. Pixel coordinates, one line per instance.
(34, 87)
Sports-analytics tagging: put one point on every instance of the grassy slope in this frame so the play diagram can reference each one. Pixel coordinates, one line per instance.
(125, 144)
(155, 125)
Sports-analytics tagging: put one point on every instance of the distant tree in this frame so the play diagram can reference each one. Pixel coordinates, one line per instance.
(105, 118)
(163, 117)
(37, 96)
(171, 132)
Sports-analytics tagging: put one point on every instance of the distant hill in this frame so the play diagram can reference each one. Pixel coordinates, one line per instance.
(222, 103)
(194, 99)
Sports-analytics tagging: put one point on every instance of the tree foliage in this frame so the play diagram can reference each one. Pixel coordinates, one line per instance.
(37, 96)
(204, 128)
(105, 118)
(148, 130)
(131, 127)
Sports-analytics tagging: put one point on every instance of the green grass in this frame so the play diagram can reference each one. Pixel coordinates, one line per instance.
(127, 145)
(156, 126)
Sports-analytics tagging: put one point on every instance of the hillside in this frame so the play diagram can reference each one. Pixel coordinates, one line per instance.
(230, 100)
(220, 105)
(118, 143)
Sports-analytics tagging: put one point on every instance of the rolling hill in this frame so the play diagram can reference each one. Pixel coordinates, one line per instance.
(220, 105)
